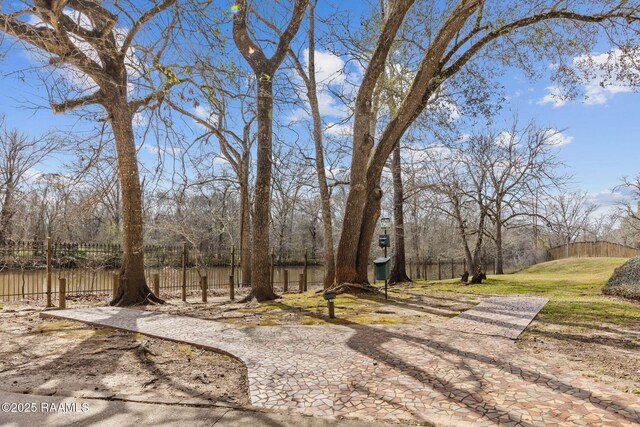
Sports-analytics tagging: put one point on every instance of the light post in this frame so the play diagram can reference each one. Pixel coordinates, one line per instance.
(385, 223)
(384, 241)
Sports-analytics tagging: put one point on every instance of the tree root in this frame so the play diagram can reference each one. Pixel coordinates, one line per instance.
(147, 298)
(354, 288)
(260, 295)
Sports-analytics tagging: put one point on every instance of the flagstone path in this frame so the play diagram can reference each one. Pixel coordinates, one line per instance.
(500, 316)
(414, 373)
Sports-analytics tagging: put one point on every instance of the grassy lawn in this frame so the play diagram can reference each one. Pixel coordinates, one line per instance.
(572, 285)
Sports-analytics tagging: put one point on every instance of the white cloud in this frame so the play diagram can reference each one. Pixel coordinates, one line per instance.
(32, 174)
(338, 129)
(504, 138)
(604, 76)
(219, 160)
(553, 97)
(557, 138)
(154, 149)
(331, 75)
(329, 67)
(599, 89)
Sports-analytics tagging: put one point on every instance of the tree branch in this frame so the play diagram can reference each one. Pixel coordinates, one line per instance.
(146, 17)
(70, 104)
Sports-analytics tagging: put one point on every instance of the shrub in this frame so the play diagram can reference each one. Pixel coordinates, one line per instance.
(625, 280)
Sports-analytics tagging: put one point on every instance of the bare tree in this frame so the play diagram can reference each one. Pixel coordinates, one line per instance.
(568, 215)
(518, 163)
(19, 153)
(308, 76)
(264, 69)
(84, 35)
(458, 177)
(629, 208)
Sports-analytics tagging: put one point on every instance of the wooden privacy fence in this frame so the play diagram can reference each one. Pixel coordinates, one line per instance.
(592, 249)
(38, 270)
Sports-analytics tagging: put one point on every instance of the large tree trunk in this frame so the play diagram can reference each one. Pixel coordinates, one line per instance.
(260, 263)
(476, 267)
(245, 221)
(133, 289)
(399, 267)
(462, 229)
(363, 202)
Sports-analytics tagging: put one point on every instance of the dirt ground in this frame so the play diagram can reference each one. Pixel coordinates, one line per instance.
(61, 357)
(605, 353)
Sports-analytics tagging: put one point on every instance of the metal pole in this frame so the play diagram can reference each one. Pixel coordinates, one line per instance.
(231, 289)
(385, 243)
(233, 262)
(184, 271)
(49, 304)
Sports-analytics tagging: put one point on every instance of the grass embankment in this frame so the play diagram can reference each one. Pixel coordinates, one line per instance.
(572, 285)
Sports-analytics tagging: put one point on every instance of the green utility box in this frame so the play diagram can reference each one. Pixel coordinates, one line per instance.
(382, 268)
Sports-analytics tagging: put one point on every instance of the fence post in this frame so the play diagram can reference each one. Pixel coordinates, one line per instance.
(115, 282)
(231, 289)
(285, 285)
(62, 292)
(233, 263)
(156, 284)
(306, 262)
(272, 273)
(452, 270)
(205, 286)
(301, 283)
(184, 271)
(439, 270)
(464, 265)
(49, 267)
(426, 270)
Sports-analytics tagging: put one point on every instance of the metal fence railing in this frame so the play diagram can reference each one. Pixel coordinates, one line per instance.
(32, 270)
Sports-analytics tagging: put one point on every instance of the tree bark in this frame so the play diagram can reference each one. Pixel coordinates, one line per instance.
(399, 267)
(7, 212)
(133, 289)
(264, 69)
(325, 197)
(363, 202)
(260, 262)
(245, 221)
(499, 256)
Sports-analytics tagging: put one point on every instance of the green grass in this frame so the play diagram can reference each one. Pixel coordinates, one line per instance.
(573, 286)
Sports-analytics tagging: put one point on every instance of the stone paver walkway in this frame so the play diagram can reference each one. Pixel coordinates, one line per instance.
(415, 373)
(500, 316)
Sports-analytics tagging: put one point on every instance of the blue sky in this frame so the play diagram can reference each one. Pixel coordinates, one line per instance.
(602, 132)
